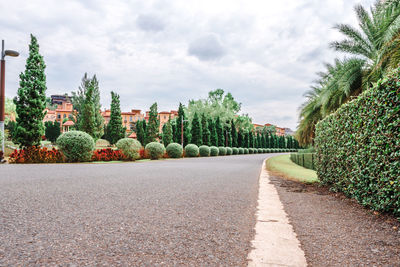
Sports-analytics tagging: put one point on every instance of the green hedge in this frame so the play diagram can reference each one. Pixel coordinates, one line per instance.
(214, 151)
(191, 151)
(204, 151)
(129, 147)
(235, 151)
(174, 150)
(229, 151)
(306, 160)
(222, 151)
(358, 147)
(77, 146)
(155, 150)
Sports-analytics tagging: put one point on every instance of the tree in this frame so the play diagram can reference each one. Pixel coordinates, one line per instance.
(240, 139)
(246, 140)
(31, 99)
(79, 99)
(234, 134)
(140, 131)
(167, 133)
(115, 129)
(152, 129)
(213, 131)
(205, 130)
(186, 130)
(251, 140)
(52, 130)
(87, 117)
(196, 131)
(220, 132)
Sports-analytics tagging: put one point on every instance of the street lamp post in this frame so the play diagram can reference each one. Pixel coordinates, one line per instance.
(4, 53)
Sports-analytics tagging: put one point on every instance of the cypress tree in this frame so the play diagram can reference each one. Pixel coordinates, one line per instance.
(263, 140)
(246, 139)
(229, 136)
(240, 139)
(174, 131)
(234, 134)
(140, 132)
(167, 133)
(196, 131)
(31, 99)
(115, 130)
(205, 130)
(152, 129)
(213, 131)
(52, 131)
(220, 132)
(186, 130)
(87, 118)
(260, 141)
(251, 139)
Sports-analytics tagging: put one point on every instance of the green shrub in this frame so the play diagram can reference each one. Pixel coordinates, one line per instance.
(235, 151)
(155, 150)
(358, 147)
(229, 151)
(76, 146)
(174, 150)
(251, 150)
(246, 151)
(265, 150)
(191, 150)
(214, 151)
(222, 151)
(241, 151)
(306, 160)
(129, 147)
(260, 151)
(102, 143)
(204, 151)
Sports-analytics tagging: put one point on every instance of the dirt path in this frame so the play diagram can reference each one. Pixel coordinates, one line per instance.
(336, 231)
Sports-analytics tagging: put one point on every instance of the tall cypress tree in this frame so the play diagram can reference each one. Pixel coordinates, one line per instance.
(213, 130)
(256, 143)
(246, 139)
(220, 132)
(140, 132)
(167, 133)
(52, 131)
(115, 130)
(251, 139)
(205, 130)
(152, 129)
(234, 134)
(31, 99)
(240, 139)
(196, 131)
(186, 129)
(87, 118)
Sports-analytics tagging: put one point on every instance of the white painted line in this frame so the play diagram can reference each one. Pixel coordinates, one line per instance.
(275, 242)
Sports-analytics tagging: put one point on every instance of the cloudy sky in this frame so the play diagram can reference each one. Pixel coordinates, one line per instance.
(265, 53)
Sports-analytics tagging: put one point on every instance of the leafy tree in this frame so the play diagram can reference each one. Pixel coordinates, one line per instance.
(220, 132)
(79, 99)
(213, 131)
(52, 130)
(167, 133)
(205, 130)
(115, 129)
(152, 129)
(196, 131)
(31, 99)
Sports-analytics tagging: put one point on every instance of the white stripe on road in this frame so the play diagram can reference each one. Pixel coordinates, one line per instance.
(275, 242)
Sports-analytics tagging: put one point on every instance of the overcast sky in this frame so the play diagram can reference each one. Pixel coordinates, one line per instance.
(265, 53)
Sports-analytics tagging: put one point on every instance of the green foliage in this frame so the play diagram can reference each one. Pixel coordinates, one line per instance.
(186, 130)
(246, 151)
(141, 131)
(222, 151)
(52, 130)
(174, 150)
(214, 151)
(152, 128)
(235, 151)
(31, 100)
(241, 151)
(191, 150)
(260, 150)
(251, 150)
(205, 130)
(77, 146)
(229, 151)
(358, 147)
(80, 101)
(10, 109)
(213, 131)
(220, 132)
(129, 147)
(204, 151)
(196, 131)
(167, 133)
(234, 134)
(102, 143)
(155, 150)
(115, 129)
(306, 160)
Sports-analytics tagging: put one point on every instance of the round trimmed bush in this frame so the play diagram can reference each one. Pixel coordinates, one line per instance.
(251, 150)
(222, 151)
(214, 151)
(235, 151)
(246, 151)
(102, 143)
(204, 151)
(265, 150)
(191, 151)
(76, 146)
(260, 150)
(129, 147)
(241, 151)
(155, 150)
(229, 151)
(174, 150)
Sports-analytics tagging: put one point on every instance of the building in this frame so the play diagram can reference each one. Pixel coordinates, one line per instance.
(129, 118)
(62, 113)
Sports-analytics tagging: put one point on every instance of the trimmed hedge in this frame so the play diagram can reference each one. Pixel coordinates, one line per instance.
(214, 151)
(306, 160)
(204, 151)
(358, 147)
(235, 151)
(222, 151)
(155, 150)
(241, 151)
(229, 151)
(174, 150)
(76, 146)
(251, 150)
(191, 151)
(246, 151)
(129, 147)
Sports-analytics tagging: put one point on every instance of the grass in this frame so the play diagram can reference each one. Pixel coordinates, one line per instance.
(283, 166)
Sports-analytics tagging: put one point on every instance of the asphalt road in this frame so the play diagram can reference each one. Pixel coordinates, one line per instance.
(170, 212)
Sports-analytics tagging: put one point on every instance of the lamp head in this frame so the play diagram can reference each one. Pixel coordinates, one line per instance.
(11, 53)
